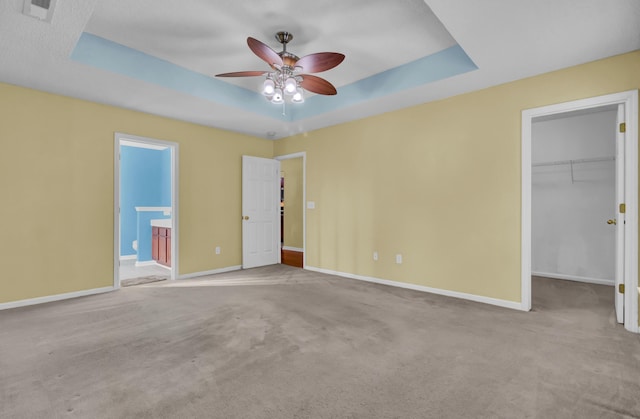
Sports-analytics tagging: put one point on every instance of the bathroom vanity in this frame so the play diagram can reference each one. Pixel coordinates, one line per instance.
(161, 241)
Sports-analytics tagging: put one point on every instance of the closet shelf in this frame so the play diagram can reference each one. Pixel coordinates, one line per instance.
(574, 161)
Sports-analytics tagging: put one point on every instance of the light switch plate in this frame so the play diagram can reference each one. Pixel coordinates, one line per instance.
(311, 205)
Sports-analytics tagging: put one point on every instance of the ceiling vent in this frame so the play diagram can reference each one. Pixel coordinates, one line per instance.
(40, 9)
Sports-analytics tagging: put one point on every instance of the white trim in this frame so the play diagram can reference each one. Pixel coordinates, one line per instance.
(161, 222)
(128, 257)
(293, 249)
(575, 278)
(57, 297)
(211, 272)
(146, 263)
(175, 232)
(116, 212)
(163, 209)
(525, 214)
(302, 154)
(138, 144)
(471, 297)
(151, 263)
(631, 216)
(630, 101)
(172, 210)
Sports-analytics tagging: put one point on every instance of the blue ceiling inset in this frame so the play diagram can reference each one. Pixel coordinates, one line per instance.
(102, 53)
(441, 65)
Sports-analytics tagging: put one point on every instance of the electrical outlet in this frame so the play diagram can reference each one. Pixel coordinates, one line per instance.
(398, 258)
(218, 250)
(375, 255)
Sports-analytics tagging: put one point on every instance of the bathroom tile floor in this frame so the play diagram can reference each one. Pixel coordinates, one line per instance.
(128, 270)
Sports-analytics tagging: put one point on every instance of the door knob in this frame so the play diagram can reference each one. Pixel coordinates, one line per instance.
(246, 217)
(612, 222)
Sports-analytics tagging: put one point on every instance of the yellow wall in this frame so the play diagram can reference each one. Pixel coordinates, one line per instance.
(438, 183)
(56, 178)
(293, 206)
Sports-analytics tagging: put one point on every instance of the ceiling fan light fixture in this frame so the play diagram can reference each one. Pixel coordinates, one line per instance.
(286, 80)
(277, 97)
(298, 96)
(268, 88)
(290, 86)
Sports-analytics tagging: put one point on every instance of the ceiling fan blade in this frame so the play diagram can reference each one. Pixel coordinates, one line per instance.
(264, 52)
(243, 74)
(317, 85)
(321, 61)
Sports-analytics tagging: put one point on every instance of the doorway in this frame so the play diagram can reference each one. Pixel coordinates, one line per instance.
(260, 212)
(145, 210)
(614, 169)
(573, 195)
(292, 213)
(262, 241)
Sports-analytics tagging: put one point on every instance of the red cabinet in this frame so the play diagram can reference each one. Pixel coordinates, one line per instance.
(154, 243)
(161, 245)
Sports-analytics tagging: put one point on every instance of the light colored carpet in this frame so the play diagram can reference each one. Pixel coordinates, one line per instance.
(279, 342)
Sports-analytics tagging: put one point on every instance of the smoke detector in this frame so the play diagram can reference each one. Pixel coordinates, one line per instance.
(40, 9)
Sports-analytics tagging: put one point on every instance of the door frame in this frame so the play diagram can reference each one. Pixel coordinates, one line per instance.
(630, 101)
(118, 136)
(302, 154)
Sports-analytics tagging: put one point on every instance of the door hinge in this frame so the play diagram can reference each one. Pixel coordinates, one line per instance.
(623, 208)
(623, 127)
(621, 288)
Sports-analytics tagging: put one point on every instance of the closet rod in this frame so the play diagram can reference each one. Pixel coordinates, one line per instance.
(575, 161)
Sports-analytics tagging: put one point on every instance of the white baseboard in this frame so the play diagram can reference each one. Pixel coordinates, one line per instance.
(51, 298)
(128, 257)
(146, 263)
(211, 272)
(151, 263)
(293, 249)
(472, 297)
(575, 278)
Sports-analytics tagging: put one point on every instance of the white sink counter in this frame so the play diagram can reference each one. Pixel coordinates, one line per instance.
(164, 222)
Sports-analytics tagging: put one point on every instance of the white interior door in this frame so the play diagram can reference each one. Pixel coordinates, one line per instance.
(619, 216)
(260, 212)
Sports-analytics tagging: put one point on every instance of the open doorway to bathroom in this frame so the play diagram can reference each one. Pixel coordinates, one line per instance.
(145, 211)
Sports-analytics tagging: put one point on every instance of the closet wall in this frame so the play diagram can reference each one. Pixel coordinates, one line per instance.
(573, 196)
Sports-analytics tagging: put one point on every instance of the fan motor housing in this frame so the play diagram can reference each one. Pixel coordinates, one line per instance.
(288, 58)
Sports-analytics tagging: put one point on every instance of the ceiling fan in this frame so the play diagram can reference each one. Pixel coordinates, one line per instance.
(289, 73)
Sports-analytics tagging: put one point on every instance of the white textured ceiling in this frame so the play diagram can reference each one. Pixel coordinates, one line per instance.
(214, 40)
(506, 39)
